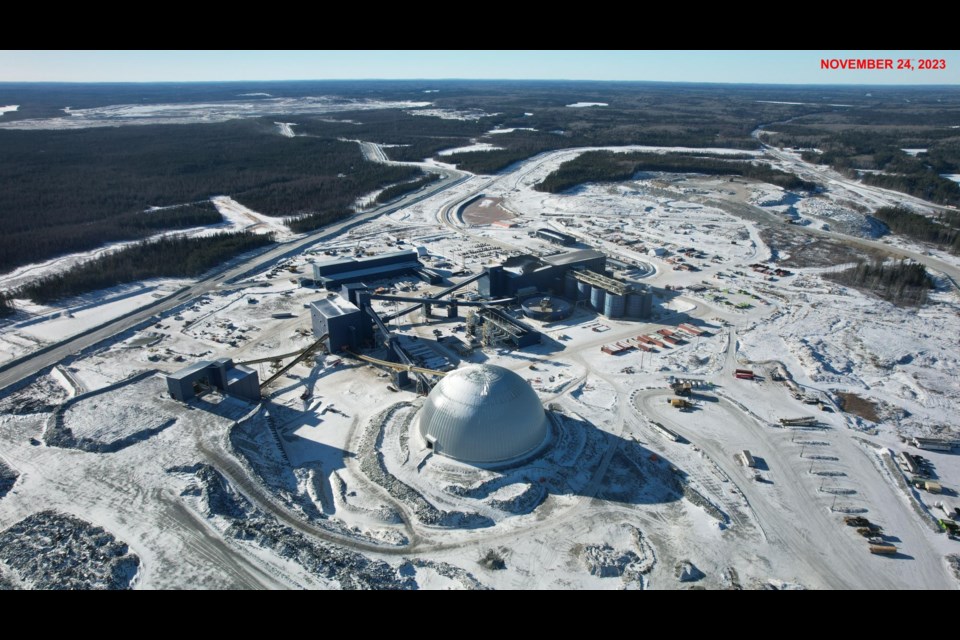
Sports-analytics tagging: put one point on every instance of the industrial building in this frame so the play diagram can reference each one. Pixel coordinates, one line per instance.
(529, 274)
(556, 237)
(342, 321)
(483, 414)
(609, 296)
(333, 273)
(546, 308)
(579, 275)
(493, 326)
(221, 374)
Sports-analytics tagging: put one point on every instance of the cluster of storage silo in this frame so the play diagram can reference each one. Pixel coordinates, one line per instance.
(611, 303)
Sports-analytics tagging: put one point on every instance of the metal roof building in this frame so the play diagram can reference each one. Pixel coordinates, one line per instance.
(483, 414)
(333, 273)
(221, 374)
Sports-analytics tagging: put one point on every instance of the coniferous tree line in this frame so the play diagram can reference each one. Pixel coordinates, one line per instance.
(166, 257)
(307, 222)
(922, 184)
(73, 190)
(903, 283)
(22, 248)
(876, 154)
(920, 227)
(396, 191)
(6, 308)
(607, 166)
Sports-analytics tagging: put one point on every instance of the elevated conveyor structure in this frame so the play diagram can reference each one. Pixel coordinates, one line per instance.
(440, 294)
(303, 354)
(396, 366)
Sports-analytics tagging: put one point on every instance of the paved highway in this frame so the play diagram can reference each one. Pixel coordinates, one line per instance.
(26, 366)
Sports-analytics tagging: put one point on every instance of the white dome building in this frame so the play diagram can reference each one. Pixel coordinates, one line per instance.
(483, 414)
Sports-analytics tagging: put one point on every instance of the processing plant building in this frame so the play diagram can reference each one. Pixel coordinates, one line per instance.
(221, 374)
(333, 273)
(578, 276)
(345, 326)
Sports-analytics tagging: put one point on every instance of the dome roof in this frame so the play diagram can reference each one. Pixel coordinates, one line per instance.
(483, 414)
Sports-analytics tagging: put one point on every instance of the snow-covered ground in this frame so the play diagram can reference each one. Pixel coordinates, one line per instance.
(243, 218)
(193, 112)
(286, 129)
(307, 490)
(451, 114)
(510, 130)
(479, 146)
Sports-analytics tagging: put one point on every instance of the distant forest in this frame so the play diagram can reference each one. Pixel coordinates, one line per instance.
(74, 190)
(945, 233)
(902, 283)
(65, 191)
(869, 142)
(169, 257)
(536, 118)
(608, 166)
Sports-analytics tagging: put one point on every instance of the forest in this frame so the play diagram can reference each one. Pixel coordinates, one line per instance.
(533, 117)
(945, 234)
(904, 146)
(608, 166)
(396, 191)
(166, 257)
(24, 247)
(74, 190)
(922, 184)
(903, 283)
(307, 222)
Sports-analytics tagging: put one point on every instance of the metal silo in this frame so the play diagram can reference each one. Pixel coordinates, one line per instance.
(596, 298)
(635, 305)
(613, 305)
(583, 291)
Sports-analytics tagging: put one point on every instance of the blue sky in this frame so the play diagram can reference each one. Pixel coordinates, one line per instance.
(789, 67)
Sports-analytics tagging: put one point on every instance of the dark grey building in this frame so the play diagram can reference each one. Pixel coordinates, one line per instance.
(556, 237)
(577, 275)
(346, 326)
(542, 274)
(221, 374)
(333, 273)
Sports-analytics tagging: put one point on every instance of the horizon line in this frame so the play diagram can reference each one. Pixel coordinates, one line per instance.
(514, 80)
